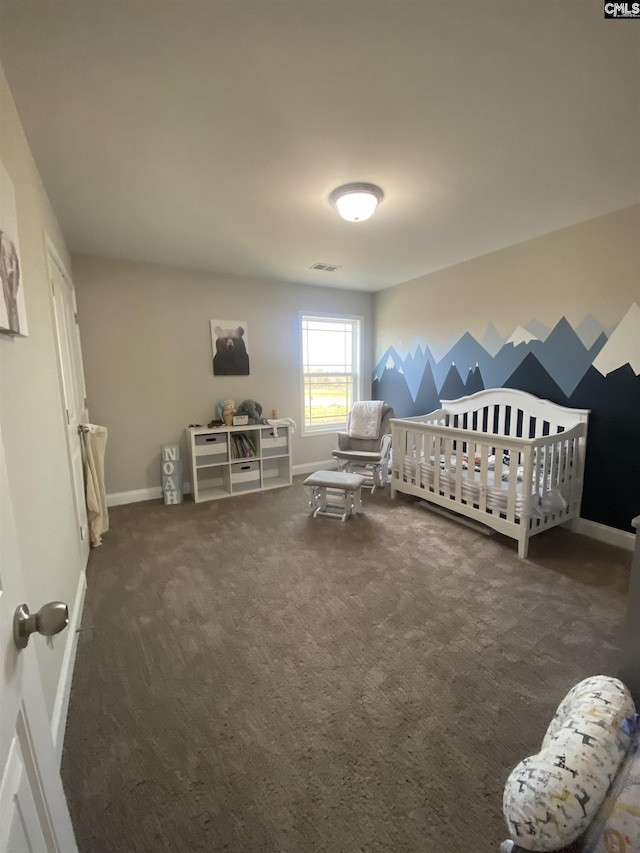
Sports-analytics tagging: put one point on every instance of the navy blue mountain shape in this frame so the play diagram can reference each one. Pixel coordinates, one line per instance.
(453, 386)
(392, 387)
(427, 399)
(504, 364)
(474, 382)
(465, 354)
(531, 376)
(563, 355)
(612, 469)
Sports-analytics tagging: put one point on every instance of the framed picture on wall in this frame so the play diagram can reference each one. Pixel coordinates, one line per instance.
(229, 342)
(13, 316)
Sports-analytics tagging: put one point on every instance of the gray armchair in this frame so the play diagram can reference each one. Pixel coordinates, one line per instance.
(367, 456)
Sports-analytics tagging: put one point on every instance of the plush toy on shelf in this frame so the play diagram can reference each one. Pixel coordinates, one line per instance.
(228, 411)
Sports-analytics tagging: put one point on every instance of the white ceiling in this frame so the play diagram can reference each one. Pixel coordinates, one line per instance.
(209, 134)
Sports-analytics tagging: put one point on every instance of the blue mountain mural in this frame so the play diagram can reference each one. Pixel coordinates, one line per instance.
(453, 386)
(414, 366)
(564, 355)
(538, 329)
(533, 377)
(492, 340)
(428, 398)
(555, 365)
(474, 382)
(589, 330)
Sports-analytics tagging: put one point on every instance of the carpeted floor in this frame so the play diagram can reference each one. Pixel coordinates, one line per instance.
(258, 680)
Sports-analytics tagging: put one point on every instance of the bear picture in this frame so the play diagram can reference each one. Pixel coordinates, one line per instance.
(229, 344)
(13, 318)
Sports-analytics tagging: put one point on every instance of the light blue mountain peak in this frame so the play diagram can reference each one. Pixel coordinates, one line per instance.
(589, 330)
(538, 330)
(492, 340)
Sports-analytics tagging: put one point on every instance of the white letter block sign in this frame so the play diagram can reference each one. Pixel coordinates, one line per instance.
(171, 474)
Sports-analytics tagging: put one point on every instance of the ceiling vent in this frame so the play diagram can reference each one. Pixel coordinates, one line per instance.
(325, 267)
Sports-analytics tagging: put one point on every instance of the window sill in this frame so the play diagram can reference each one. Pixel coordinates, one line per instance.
(330, 430)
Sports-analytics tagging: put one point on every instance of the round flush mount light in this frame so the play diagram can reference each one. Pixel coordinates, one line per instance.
(356, 202)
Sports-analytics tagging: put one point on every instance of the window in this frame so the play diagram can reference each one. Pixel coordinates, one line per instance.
(330, 371)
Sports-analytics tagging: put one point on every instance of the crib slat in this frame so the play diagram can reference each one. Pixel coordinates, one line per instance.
(512, 490)
(459, 458)
(556, 464)
(574, 475)
(498, 467)
(415, 453)
(437, 451)
(546, 469)
(484, 473)
(448, 453)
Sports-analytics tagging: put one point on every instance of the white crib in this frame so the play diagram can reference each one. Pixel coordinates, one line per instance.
(501, 457)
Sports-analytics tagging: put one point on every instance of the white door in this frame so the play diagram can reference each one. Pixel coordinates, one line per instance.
(34, 817)
(72, 377)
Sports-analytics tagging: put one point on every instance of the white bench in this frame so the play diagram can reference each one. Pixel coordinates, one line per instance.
(335, 493)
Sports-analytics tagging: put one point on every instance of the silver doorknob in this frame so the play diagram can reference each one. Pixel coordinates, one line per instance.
(49, 620)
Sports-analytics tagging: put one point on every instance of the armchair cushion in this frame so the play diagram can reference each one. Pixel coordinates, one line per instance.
(367, 445)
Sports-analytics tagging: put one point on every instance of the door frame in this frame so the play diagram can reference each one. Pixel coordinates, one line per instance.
(53, 258)
(61, 704)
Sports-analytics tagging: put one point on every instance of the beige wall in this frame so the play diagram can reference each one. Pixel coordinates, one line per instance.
(148, 359)
(31, 409)
(593, 267)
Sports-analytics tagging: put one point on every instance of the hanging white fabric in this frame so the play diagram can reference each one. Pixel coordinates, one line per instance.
(94, 441)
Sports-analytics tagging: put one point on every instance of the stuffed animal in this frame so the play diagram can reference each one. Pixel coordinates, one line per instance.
(228, 411)
(253, 410)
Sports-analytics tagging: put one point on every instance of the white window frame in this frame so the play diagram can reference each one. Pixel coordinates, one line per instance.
(357, 322)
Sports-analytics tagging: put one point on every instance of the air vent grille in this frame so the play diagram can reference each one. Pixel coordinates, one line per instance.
(325, 267)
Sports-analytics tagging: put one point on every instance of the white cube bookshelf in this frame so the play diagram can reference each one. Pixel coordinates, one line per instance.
(234, 460)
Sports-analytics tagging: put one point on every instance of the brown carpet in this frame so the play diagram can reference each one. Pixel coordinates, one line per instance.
(258, 680)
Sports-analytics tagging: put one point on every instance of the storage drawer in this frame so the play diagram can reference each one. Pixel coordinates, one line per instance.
(245, 472)
(272, 444)
(211, 444)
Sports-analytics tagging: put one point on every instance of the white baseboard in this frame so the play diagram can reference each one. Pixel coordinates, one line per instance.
(311, 467)
(134, 497)
(138, 495)
(61, 704)
(603, 533)
(155, 493)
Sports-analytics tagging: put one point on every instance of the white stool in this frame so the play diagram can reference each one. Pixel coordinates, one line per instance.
(335, 493)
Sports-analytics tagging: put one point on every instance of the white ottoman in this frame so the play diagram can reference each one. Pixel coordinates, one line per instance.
(335, 493)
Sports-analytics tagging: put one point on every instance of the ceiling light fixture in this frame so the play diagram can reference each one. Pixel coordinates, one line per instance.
(356, 202)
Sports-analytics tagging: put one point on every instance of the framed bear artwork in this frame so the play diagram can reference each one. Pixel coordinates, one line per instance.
(229, 342)
(13, 318)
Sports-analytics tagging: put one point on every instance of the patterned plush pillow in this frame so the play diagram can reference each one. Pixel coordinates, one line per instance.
(550, 798)
(616, 827)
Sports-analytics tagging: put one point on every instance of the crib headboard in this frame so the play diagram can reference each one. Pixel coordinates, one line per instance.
(507, 411)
